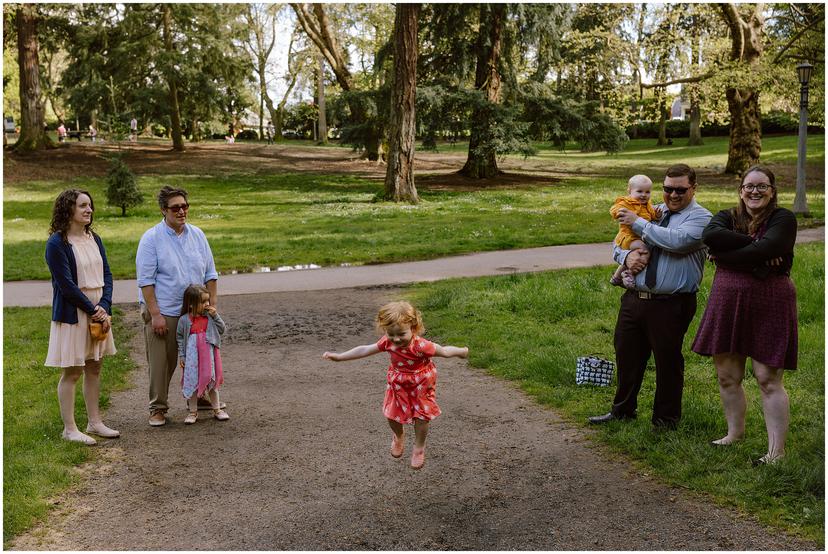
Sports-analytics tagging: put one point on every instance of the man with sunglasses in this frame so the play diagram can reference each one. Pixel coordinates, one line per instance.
(171, 256)
(654, 317)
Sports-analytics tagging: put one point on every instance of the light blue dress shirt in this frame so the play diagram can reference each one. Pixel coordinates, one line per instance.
(683, 254)
(173, 262)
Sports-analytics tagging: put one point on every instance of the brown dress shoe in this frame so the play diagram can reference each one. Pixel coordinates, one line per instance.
(157, 419)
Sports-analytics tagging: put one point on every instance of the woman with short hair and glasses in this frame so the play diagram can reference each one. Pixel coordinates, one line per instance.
(171, 256)
(751, 311)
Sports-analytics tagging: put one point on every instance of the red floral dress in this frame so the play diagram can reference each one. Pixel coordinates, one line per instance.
(412, 381)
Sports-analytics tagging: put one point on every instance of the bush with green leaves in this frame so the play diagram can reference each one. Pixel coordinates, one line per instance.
(121, 185)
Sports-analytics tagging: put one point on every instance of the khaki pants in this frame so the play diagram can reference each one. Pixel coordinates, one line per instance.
(162, 359)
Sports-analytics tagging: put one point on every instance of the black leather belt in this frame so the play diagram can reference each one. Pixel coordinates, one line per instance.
(643, 295)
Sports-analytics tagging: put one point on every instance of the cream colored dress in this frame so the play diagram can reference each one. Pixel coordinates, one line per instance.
(70, 344)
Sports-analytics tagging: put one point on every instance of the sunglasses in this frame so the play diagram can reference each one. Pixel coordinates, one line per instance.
(678, 190)
(179, 208)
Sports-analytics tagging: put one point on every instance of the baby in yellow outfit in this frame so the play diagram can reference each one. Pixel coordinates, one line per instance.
(639, 189)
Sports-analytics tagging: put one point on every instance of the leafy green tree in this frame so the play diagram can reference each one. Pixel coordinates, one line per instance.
(121, 186)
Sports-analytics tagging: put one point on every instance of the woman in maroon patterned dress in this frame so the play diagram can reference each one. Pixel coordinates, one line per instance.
(751, 311)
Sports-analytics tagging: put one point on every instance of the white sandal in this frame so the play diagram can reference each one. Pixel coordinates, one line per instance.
(191, 418)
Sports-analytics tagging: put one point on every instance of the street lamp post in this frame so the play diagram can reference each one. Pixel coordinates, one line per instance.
(800, 205)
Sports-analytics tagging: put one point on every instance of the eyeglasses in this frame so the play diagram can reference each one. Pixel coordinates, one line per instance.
(179, 208)
(758, 188)
(678, 190)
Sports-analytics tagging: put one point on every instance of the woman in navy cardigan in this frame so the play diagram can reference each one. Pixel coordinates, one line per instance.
(81, 292)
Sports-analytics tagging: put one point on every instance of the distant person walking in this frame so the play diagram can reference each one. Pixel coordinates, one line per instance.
(751, 312)
(171, 256)
(81, 296)
(271, 132)
(133, 130)
(61, 132)
(93, 133)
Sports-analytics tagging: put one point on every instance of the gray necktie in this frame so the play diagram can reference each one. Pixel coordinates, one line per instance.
(655, 254)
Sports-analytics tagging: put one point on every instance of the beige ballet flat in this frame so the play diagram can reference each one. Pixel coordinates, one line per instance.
(102, 431)
(77, 436)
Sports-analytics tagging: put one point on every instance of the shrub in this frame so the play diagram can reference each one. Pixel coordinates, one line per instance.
(248, 134)
(121, 185)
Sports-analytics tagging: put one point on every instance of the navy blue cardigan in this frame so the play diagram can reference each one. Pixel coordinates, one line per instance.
(66, 296)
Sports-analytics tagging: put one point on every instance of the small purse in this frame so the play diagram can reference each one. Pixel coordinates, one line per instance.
(593, 370)
(96, 330)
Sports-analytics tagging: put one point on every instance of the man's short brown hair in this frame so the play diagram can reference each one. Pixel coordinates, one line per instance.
(168, 192)
(682, 170)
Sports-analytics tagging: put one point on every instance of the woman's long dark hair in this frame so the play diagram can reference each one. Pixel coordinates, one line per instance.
(742, 220)
(64, 209)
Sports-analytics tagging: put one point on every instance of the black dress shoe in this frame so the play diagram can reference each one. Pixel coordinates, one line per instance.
(606, 418)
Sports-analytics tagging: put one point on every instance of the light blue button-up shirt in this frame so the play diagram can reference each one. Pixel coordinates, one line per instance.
(683, 254)
(173, 262)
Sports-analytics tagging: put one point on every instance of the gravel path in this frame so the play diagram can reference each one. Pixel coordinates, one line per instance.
(303, 464)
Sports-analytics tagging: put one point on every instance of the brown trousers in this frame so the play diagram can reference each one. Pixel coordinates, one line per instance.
(162, 359)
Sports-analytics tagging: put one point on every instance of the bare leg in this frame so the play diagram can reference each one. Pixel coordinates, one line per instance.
(66, 398)
(730, 369)
(91, 397)
(397, 443)
(420, 434)
(92, 390)
(775, 405)
(397, 427)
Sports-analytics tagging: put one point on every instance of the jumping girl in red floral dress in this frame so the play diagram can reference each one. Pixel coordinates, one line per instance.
(412, 377)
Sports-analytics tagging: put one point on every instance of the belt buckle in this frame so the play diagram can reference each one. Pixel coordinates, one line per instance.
(643, 295)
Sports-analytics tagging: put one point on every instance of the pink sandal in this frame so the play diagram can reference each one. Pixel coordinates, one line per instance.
(397, 446)
(418, 457)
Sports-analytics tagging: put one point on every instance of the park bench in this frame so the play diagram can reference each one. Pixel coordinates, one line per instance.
(76, 134)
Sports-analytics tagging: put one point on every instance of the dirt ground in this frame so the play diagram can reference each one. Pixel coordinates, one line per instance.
(434, 170)
(303, 463)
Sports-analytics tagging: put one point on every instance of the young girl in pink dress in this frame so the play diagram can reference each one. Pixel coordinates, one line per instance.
(410, 395)
(199, 340)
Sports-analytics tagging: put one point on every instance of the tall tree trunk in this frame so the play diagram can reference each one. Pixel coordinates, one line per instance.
(399, 175)
(483, 165)
(695, 118)
(320, 100)
(743, 103)
(175, 113)
(261, 112)
(663, 110)
(32, 135)
(745, 130)
(693, 91)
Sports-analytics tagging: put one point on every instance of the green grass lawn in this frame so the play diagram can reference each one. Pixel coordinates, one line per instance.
(253, 221)
(531, 328)
(37, 463)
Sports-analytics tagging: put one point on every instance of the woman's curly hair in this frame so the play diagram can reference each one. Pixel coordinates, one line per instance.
(64, 209)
